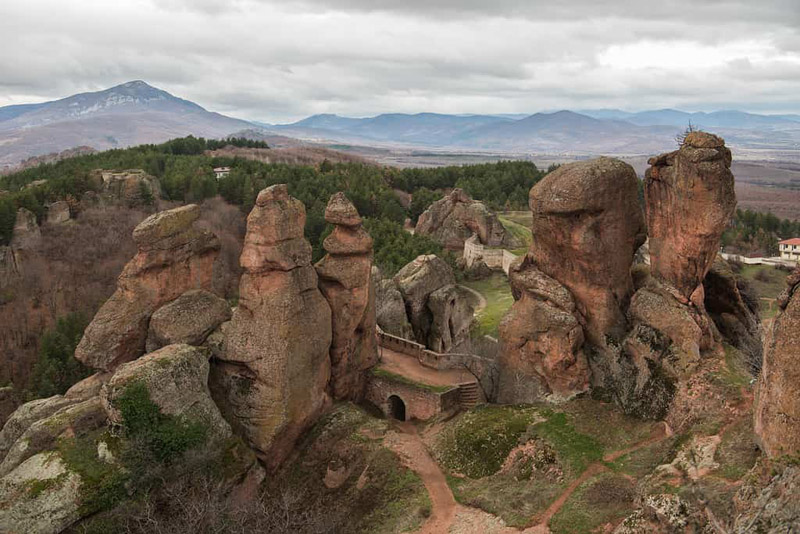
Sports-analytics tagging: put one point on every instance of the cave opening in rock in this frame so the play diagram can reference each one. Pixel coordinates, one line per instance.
(397, 408)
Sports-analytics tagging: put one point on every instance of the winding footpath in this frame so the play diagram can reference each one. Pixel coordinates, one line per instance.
(448, 517)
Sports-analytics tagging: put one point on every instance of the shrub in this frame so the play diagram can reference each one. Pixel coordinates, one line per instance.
(165, 437)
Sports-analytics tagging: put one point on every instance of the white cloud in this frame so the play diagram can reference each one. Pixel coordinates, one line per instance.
(279, 60)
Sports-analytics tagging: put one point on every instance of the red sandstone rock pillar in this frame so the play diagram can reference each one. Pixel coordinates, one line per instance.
(271, 377)
(346, 282)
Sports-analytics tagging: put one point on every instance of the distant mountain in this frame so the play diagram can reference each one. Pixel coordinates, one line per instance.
(128, 114)
(716, 119)
(598, 131)
(429, 129)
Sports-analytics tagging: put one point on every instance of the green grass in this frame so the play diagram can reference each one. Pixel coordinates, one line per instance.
(497, 293)
(737, 452)
(604, 499)
(522, 232)
(388, 375)
(768, 282)
(576, 451)
(478, 442)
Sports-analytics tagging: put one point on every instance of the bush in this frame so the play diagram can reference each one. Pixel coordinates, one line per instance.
(165, 437)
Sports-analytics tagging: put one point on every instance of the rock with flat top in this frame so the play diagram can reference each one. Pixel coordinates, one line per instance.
(173, 256)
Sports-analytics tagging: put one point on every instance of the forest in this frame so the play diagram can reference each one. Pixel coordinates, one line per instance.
(185, 173)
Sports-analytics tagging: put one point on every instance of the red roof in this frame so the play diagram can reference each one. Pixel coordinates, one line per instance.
(793, 241)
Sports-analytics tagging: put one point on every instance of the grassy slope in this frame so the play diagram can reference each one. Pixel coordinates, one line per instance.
(768, 282)
(497, 293)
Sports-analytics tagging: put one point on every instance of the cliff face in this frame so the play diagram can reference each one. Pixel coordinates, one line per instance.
(273, 370)
(777, 414)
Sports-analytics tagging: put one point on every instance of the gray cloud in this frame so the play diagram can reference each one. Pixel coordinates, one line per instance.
(279, 60)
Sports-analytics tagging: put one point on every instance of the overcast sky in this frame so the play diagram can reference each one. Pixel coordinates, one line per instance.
(279, 60)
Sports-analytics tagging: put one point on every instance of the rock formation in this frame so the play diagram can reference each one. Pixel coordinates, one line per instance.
(346, 282)
(734, 310)
(777, 411)
(574, 284)
(133, 187)
(58, 212)
(438, 310)
(271, 376)
(587, 226)
(188, 319)
(454, 218)
(541, 354)
(173, 257)
(26, 230)
(176, 378)
(690, 200)
(391, 308)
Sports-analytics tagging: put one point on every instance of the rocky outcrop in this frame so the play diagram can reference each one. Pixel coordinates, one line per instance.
(58, 212)
(43, 435)
(574, 285)
(777, 410)
(44, 511)
(346, 283)
(133, 187)
(391, 308)
(28, 414)
(176, 378)
(587, 227)
(188, 319)
(454, 218)
(26, 230)
(270, 378)
(690, 200)
(767, 500)
(734, 310)
(541, 355)
(439, 312)
(173, 256)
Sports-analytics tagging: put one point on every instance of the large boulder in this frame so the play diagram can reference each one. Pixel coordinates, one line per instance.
(188, 319)
(270, 378)
(573, 287)
(734, 310)
(777, 410)
(133, 187)
(176, 378)
(173, 256)
(43, 435)
(416, 281)
(439, 311)
(690, 199)
(453, 219)
(587, 227)
(452, 315)
(542, 354)
(28, 414)
(345, 279)
(41, 496)
(390, 307)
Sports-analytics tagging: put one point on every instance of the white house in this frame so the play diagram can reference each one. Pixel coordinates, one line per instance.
(790, 249)
(222, 172)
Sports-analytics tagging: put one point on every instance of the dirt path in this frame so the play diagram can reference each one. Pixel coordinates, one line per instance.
(594, 469)
(410, 448)
(481, 299)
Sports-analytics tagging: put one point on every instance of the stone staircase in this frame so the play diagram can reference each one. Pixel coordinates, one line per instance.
(469, 395)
